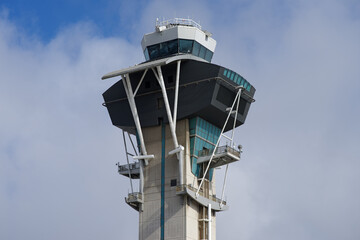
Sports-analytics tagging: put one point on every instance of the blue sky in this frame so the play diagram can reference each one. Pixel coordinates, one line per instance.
(300, 173)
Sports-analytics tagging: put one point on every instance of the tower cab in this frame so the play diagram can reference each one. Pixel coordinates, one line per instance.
(178, 36)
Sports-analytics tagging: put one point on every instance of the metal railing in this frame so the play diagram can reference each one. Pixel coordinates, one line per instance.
(182, 188)
(122, 168)
(178, 21)
(219, 150)
(134, 197)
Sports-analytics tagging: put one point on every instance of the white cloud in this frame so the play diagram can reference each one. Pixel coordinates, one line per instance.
(300, 173)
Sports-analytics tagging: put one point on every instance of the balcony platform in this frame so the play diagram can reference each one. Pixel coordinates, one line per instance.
(134, 200)
(216, 203)
(134, 170)
(223, 155)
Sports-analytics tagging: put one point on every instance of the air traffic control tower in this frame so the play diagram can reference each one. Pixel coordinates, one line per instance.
(177, 107)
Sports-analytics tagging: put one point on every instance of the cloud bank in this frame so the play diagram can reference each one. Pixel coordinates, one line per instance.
(299, 177)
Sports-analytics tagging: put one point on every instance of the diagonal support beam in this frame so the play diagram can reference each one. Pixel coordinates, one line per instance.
(176, 91)
(238, 95)
(178, 148)
(141, 80)
(131, 99)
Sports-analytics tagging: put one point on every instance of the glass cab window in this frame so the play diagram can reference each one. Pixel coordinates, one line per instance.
(177, 46)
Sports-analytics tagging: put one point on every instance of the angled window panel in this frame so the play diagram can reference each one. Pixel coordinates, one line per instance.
(235, 78)
(196, 49)
(209, 55)
(173, 46)
(228, 74)
(202, 52)
(185, 46)
(146, 53)
(225, 71)
(154, 51)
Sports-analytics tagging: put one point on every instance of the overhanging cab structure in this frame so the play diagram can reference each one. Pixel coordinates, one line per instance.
(178, 106)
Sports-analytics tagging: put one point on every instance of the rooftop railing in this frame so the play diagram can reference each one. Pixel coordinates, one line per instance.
(178, 21)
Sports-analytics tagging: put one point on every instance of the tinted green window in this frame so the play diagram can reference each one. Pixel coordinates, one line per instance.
(245, 85)
(196, 49)
(239, 80)
(146, 53)
(225, 72)
(173, 46)
(202, 52)
(185, 46)
(232, 76)
(248, 87)
(163, 49)
(208, 55)
(242, 82)
(228, 74)
(154, 51)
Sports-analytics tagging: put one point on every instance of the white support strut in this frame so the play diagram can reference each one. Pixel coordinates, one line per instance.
(141, 80)
(176, 91)
(127, 160)
(238, 95)
(160, 79)
(180, 154)
(131, 99)
(209, 221)
(231, 143)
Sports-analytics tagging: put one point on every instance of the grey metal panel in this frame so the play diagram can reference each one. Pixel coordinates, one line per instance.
(200, 83)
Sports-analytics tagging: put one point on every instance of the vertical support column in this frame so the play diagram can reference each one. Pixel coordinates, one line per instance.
(209, 221)
(127, 159)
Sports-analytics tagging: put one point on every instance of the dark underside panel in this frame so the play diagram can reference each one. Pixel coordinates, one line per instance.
(203, 91)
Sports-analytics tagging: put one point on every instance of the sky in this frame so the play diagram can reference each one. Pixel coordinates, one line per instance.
(300, 170)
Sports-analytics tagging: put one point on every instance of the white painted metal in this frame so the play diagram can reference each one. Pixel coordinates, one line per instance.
(231, 143)
(152, 64)
(178, 21)
(224, 185)
(160, 79)
(229, 138)
(234, 124)
(180, 155)
(144, 157)
(141, 80)
(176, 91)
(179, 32)
(177, 150)
(127, 159)
(131, 99)
(209, 221)
(132, 144)
(238, 95)
(181, 166)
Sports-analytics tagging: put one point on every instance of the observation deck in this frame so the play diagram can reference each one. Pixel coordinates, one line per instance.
(203, 198)
(134, 200)
(131, 170)
(223, 155)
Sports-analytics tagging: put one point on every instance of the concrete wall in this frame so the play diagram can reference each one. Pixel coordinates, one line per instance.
(181, 213)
